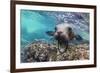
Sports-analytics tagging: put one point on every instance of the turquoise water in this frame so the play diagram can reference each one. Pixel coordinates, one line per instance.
(35, 24)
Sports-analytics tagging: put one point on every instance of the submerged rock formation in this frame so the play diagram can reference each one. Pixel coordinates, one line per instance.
(40, 51)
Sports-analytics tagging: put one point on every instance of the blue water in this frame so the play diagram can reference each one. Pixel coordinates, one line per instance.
(35, 24)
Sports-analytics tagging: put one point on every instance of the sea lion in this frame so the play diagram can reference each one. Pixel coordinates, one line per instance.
(63, 34)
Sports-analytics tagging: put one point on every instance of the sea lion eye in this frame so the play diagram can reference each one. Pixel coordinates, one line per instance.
(69, 29)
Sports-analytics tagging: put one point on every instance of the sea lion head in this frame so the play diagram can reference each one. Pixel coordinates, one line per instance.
(64, 32)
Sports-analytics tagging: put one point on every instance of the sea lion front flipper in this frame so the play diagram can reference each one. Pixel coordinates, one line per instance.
(50, 33)
(78, 37)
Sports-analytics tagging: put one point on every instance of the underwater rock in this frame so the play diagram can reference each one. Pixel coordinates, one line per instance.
(41, 51)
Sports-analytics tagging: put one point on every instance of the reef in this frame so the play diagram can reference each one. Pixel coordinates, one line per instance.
(40, 51)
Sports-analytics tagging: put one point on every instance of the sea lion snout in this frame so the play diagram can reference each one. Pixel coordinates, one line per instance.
(59, 33)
